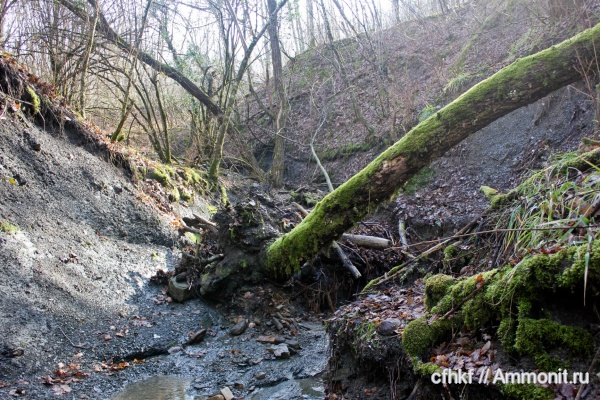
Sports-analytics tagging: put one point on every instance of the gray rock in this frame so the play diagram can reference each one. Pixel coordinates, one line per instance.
(261, 375)
(294, 344)
(239, 328)
(179, 289)
(388, 327)
(197, 337)
(280, 351)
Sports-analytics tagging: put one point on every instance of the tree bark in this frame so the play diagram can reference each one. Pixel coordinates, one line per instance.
(523, 82)
(277, 168)
(312, 41)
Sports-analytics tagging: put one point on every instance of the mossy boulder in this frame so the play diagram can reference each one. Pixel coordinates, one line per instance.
(421, 334)
(536, 336)
(514, 297)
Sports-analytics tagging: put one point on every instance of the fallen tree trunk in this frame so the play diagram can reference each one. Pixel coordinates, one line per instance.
(523, 82)
(343, 257)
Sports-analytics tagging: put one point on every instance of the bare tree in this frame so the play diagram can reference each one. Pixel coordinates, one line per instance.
(277, 168)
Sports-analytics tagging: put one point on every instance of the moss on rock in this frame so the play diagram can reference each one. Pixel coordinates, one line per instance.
(535, 336)
(7, 227)
(527, 392)
(496, 199)
(420, 335)
(31, 97)
(186, 195)
(158, 174)
(174, 194)
(436, 288)
(512, 295)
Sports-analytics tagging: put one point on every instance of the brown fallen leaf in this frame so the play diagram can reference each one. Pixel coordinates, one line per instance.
(59, 390)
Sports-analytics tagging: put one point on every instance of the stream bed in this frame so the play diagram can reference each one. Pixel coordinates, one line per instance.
(246, 366)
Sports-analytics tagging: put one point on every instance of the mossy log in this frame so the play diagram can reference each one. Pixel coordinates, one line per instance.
(523, 82)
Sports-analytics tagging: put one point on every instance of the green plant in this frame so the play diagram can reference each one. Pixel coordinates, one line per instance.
(427, 112)
(457, 83)
(7, 227)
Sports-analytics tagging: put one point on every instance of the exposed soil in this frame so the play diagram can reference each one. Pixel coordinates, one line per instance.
(77, 309)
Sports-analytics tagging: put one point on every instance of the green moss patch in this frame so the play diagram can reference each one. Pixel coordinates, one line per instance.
(513, 296)
(535, 337)
(31, 97)
(436, 288)
(159, 175)
(7, 227)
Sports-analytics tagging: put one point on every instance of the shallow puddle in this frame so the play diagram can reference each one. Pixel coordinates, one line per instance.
(157, 388)
(174, 388)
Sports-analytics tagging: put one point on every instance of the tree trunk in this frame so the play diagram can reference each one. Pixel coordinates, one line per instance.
(173, 73)
(396, 10)
(311, 24)
(523, 82)
(277, 168)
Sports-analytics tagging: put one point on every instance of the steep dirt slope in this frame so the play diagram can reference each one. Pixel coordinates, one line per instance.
(79, 241)
(84, 245)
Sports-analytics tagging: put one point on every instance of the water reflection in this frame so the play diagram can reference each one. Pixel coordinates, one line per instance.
(156, 388)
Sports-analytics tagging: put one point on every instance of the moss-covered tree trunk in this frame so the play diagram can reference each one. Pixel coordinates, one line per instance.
(523, 82)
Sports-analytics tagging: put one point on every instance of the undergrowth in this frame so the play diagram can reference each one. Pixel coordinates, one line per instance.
(536, 249)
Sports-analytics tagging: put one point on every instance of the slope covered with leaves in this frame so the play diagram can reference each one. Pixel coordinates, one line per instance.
(516, 291)
(404, 74)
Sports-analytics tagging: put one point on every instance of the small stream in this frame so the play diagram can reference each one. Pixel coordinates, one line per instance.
(176, 388)
(240, 363)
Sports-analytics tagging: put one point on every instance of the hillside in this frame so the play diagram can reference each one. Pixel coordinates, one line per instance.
(84, 227)
(401, 76)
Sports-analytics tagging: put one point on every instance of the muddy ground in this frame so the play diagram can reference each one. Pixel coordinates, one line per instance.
(78, 315)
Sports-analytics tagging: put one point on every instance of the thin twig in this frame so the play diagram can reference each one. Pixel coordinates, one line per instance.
(70, 341)
(498, 231)
(590, 370)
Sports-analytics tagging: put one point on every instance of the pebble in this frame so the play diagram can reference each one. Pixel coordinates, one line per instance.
(280, 351)
(261, 375)
(239, 328)
(388, 326)
(226, 392)
(197, 337)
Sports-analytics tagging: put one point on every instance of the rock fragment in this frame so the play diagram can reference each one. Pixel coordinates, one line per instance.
(388, 327)
(239, 328)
